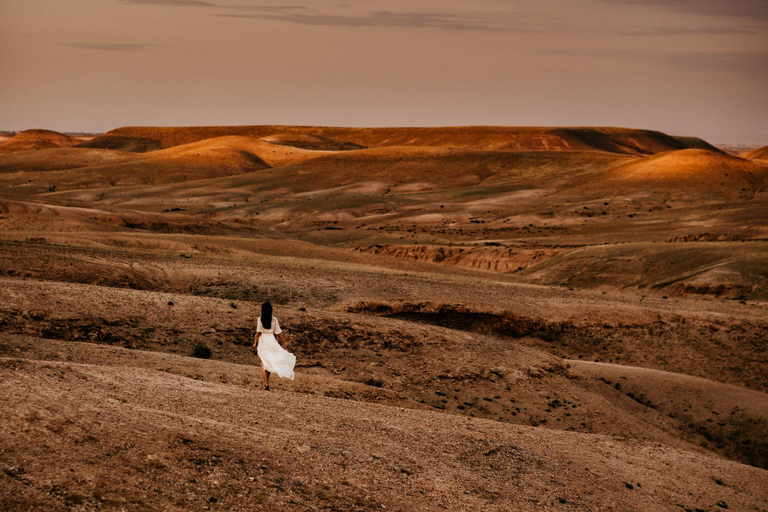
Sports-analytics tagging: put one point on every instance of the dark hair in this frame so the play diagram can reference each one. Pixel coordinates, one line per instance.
(266, 315)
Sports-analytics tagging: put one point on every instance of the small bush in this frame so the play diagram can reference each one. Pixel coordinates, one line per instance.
(376, 383)
(549, 334)
(201, 352)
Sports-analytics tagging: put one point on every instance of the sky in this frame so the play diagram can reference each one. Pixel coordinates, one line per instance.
(685, 67)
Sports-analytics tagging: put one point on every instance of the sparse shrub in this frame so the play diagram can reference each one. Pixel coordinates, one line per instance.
(549, 334)
(641, 399)
(201, 351)
(73, 498)
(376, 383)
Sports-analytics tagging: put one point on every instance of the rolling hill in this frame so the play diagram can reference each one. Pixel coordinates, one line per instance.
(758, 154)
(690, 170)
(33, 140)
(484, 318)
(614, 140)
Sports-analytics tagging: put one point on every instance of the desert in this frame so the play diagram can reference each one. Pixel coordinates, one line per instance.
(484, 318)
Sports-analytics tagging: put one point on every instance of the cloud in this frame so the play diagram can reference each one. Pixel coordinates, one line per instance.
(705, 60)
(685, 31)
(302, 15)
(739, 61)
(751, 9)
(379, 19)
(172, 3)
(113, 47)
(201, 3)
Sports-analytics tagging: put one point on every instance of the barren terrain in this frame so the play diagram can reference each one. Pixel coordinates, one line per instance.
(484, 318)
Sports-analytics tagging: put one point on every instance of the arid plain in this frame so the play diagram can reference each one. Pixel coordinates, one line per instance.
(485, 318)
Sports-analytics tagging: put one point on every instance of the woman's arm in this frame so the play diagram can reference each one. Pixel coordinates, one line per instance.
(256, 340)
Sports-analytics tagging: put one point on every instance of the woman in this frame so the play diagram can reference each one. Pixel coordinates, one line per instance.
(274, 358)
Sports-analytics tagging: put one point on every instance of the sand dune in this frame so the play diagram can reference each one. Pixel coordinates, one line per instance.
(32, 140)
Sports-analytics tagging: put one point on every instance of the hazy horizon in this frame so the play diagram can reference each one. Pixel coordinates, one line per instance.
(683, 67)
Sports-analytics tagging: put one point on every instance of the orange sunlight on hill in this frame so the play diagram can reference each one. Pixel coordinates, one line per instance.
(694, 169)
(758, 154)
(32, 140)
(499, 138)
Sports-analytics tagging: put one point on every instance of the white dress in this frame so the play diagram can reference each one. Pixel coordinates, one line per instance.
(274, 358)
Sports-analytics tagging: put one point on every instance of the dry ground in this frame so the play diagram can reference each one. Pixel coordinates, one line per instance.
(136, 436)
(484, 319)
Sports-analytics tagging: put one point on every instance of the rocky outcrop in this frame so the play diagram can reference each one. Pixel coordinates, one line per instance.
(488, 258)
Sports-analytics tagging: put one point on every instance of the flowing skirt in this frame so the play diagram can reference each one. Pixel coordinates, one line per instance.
(274, 358)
